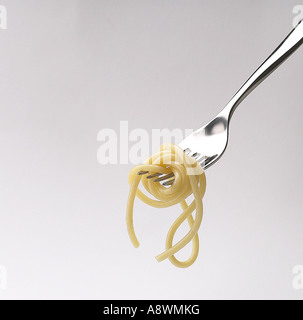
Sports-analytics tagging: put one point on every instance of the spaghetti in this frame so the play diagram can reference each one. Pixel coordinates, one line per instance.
(189, 178)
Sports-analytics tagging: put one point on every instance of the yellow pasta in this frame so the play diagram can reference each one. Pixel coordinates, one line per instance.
(189, 179)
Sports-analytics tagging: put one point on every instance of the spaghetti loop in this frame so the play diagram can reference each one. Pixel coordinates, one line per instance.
(189, 179)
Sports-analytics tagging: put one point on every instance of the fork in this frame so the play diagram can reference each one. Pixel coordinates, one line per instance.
(208, 143)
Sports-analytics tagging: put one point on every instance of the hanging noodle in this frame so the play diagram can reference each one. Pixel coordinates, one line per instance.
(189, 179)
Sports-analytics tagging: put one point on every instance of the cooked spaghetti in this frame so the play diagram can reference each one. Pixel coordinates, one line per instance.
(189, 178)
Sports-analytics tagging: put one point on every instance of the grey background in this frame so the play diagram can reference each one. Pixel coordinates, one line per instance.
(71, 68)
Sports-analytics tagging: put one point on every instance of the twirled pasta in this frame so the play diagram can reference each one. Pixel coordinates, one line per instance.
(189, 179)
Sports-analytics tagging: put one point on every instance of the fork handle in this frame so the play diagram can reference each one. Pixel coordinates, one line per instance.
(292, 42)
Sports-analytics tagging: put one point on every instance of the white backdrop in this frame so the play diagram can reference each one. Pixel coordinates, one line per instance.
(71, 68)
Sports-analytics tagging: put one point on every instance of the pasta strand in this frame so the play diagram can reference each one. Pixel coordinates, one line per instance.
(189, 179)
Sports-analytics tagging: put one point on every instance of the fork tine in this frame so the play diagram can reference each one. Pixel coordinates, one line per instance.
(168, 183)
(187, 151)
(209, 159)
(165, 177)
(196, 155)
(153, 175)
(140, 173)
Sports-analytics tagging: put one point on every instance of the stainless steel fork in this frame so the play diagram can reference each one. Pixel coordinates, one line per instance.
(208, 143)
